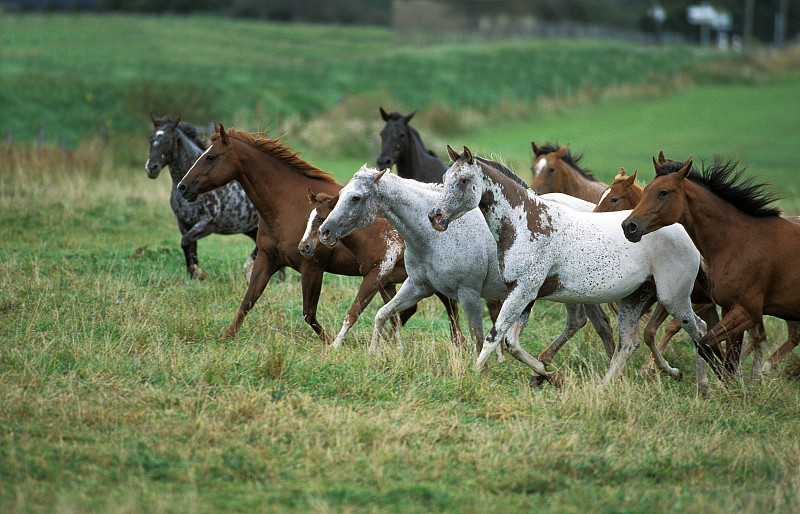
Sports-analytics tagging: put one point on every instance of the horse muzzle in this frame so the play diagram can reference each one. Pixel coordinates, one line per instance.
(633, 231)
(189, 193)
(438, 220)
(307, 248)
(327, 238)
(152, 169)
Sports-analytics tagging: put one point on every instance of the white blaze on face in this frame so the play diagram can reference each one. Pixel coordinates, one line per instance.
(159, 133)
(602, 197)
(309, 225)
(539, 166)
(201, 156)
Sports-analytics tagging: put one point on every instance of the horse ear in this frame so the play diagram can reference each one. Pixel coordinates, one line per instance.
(661, 158)
(179, 119)
(312, 197)
(384, 115)
(332, 201)
(379, 175)
(657, 165)
(561, 151)
(687, 167)
(535, 149)
(620, 175)
(629, 180)
(406, 119)
(633, 177)
(452, 153)
(153, 118)
(468, 156)
(223, 135)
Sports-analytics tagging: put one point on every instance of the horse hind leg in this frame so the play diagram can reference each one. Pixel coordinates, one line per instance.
(792, 340)
(602, 325)
(631, 308)
(649, 335)
(494, 306)
(451, 307)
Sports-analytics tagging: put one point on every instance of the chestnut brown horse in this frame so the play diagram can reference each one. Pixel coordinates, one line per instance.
(749, 249)
(556, 170)
(623, 194)
(379, 250)
(276, 180)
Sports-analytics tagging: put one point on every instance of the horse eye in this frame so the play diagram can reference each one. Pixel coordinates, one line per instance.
(210, 157)
(462, 182)
(355, 199)
(663, 193)
(614, 200)
(551, 170)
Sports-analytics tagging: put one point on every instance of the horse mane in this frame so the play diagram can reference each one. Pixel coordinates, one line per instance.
(571, 160)
(190, 131)
(502, 168)
(415, 135)
(729, 183)
(277, 150)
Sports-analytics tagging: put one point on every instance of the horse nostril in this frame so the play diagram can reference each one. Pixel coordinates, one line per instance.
(632, 227)
(181, 187)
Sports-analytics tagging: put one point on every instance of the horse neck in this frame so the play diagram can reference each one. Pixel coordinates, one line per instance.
(708, 219)
(577, 185)
(184, 156)
(274, 187)
(501, 196)
(405, 203)
(418, 158)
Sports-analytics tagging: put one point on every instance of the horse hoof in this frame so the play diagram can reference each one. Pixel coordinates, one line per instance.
(556, 379)
(537, 380)
(197, 273)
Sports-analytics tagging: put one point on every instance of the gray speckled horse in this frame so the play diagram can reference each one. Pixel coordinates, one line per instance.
(223, 211)
(546, 251)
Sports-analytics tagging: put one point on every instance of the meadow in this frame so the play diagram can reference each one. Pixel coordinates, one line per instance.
(118, 394)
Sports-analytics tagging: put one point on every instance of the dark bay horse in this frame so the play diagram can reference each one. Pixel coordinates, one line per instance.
(750, 250)
(225, 211)
(380, 252)
(277, 181)
(401, 145)
(556, 170)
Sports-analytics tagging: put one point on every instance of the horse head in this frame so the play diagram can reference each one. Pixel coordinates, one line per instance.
(355, 208)
(663, 201)
(395, 138)
(216, 166)
(162, 144)
(323, 205)
(621, 195)
(463, 187)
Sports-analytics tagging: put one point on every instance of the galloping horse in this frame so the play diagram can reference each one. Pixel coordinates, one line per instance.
(556, 170)
(750, 250)
(547, 251)
(277, 181)
(461, 264)
(224, 211)
(379, 250)
(402, 145)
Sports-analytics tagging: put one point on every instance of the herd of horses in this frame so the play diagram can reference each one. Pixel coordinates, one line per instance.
(688, 242)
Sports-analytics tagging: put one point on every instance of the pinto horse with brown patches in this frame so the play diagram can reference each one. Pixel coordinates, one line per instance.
(379, 250)
(556, 170)
(276, 180)
(749, 249)
(546, 251)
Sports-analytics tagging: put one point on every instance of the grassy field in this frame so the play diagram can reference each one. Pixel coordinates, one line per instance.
(117, 393)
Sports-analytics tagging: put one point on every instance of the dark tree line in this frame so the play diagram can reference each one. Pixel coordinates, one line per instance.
(620, 13)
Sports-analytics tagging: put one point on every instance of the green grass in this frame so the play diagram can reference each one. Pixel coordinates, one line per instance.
(118, 394)
(76, 72)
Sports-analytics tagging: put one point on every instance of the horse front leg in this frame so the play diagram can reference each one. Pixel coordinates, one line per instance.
(366, 292)
(199, 230)
(631, 308)
(730, 328)
(792, 340)
(262, 271)
(656, 320)
(410, 293)
(519, 300)
(602, 325)
(248, 265)
(576, 320)
(311, 274)
(451, 307)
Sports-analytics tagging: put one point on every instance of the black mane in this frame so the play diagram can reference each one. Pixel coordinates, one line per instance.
(190, 131)
(729, 183)
(502, 169)
(568, 158)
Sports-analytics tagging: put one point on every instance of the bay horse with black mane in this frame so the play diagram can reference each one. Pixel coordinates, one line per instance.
(277, 181)
(402, 145)
(556, 170)
(225, 211)
(749, 249)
